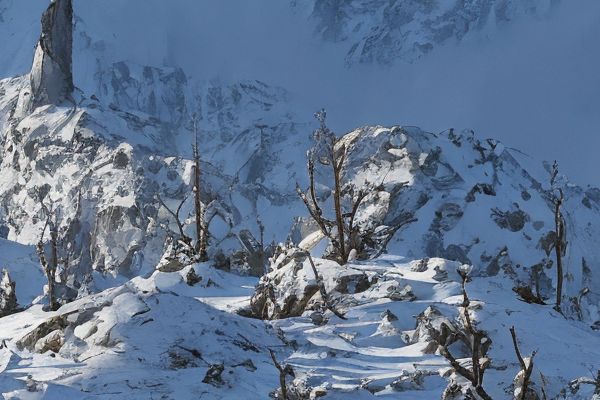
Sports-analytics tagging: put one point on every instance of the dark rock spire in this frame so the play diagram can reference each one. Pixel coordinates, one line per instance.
(51, 73)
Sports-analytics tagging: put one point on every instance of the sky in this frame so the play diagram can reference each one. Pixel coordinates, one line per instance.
(534, 85)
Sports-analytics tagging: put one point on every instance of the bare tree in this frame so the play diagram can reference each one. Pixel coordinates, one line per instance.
(526, 366)
(341, 231)
(199, 210)
(557, 198)
(478, 343)
(49, 267)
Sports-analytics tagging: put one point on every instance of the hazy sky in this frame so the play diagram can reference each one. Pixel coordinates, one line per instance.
(535, 85)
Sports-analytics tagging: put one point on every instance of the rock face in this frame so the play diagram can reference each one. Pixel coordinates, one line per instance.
(51, 77)
(103, 164)
(8, 295)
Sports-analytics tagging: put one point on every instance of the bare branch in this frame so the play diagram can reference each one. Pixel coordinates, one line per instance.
(517, 351)
(526, 368)
(442, 346)
(175, 215)
(313, 196)
(477, 353)
(283, 371)
(322, 222)
(362, 194)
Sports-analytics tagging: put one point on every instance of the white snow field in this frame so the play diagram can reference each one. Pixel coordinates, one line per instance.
(157, 337)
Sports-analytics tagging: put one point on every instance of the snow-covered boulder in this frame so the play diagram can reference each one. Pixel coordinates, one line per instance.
(291, 287)
(8, 295)
(52, 342)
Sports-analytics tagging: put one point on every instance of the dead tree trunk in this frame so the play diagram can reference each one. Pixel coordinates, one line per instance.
(49, 267)
(283, 372)
(201, 231)
(558, 247)
(261, 230)
(559, 237)
(336, 164)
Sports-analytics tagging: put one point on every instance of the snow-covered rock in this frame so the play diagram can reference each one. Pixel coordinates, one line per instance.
(8, 295)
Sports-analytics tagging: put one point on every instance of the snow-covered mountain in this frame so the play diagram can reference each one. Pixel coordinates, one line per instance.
(384, 32)
(96, 135)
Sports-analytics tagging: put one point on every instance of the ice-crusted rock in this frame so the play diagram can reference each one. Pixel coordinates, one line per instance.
(409, 381)
(8, 295)
(287, 290)
(51, 342)
(497, 227)
(428, 328)
(106, 188)
(43, 329)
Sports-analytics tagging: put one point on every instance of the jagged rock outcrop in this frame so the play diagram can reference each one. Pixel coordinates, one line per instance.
(51, 76)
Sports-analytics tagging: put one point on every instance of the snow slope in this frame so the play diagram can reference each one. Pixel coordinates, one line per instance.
(23, 265)
(371, 354)
(149, 337)
(159, 336)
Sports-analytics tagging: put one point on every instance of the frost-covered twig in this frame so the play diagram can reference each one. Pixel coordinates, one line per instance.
(175, 215)
(283, 372)
(526, 367)
(477, 338)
